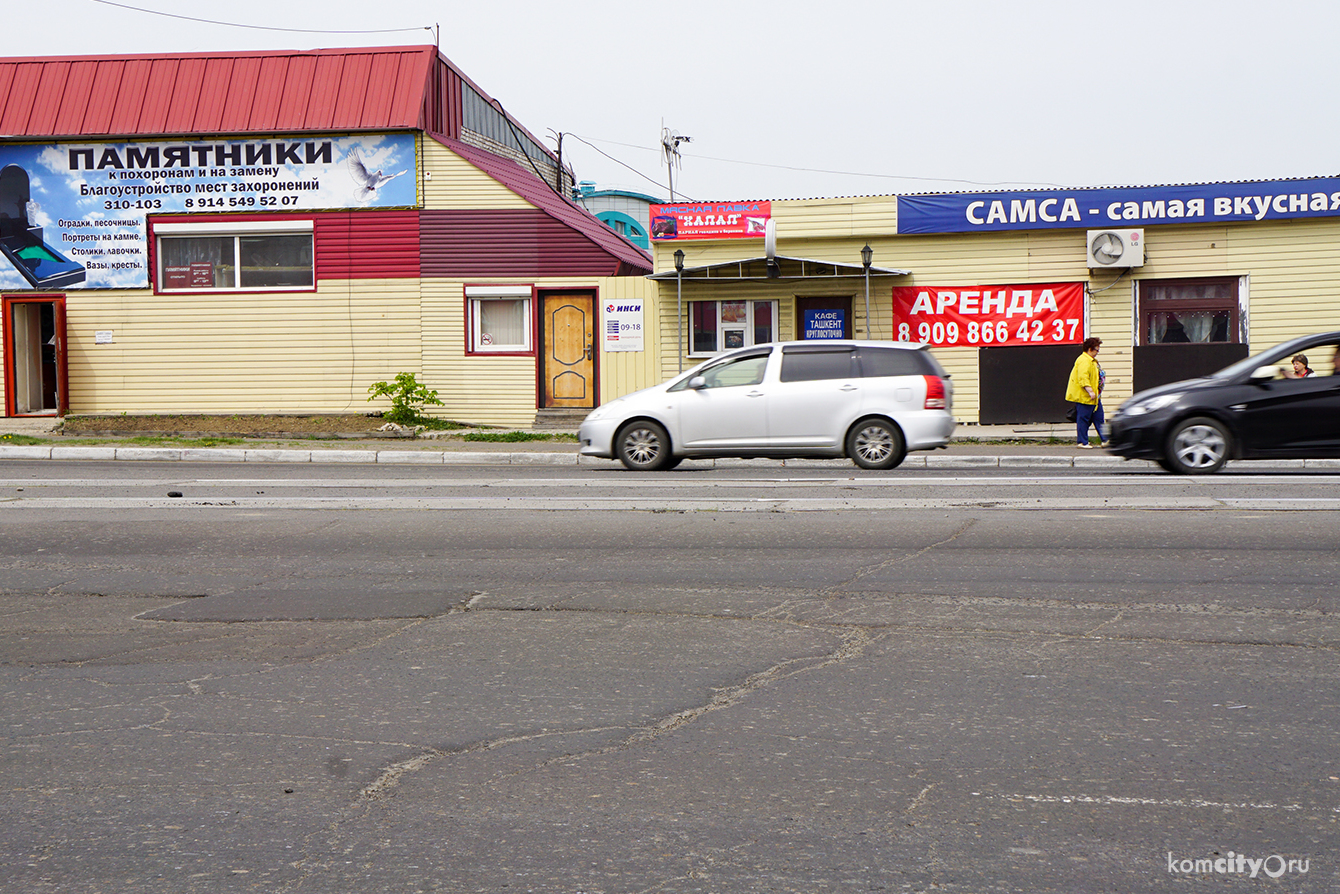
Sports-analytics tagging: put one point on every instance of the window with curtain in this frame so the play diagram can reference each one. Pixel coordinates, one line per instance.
(1189, 311)
(500, 319)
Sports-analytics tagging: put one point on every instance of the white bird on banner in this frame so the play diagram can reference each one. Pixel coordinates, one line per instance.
(368, 181)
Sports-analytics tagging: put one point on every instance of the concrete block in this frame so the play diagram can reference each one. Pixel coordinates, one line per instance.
(28, 452)
(279, 456)
(98, 453)
(411, 457)
(149, 454)
(344, 456)
(213, 455)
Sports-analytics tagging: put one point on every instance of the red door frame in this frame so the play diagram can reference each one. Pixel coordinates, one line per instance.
(540, 347)
(7, 303)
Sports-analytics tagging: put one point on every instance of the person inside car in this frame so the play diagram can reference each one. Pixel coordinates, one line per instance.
(1300, 369)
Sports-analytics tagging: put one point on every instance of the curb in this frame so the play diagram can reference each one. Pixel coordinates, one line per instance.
(502, 458)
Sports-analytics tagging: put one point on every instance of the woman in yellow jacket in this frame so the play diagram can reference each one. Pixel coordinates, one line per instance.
(1085, 390)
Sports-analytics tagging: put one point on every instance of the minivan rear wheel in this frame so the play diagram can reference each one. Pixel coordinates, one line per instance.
(876, 444)
(644, 446)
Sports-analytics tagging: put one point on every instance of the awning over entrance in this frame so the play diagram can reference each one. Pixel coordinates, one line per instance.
(775, 268)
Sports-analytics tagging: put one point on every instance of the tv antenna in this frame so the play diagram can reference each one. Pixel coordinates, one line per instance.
(670, 140)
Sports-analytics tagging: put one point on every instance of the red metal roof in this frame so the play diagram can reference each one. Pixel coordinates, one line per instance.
(383, 88)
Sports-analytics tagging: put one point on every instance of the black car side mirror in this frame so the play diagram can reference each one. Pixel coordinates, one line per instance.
(1263, 374)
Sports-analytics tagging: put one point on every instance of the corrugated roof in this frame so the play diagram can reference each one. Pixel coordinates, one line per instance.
(384, 88)
(524, 183)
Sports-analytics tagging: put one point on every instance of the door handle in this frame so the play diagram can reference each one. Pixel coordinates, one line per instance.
(848, 388)
(754, 394)
(588, 352)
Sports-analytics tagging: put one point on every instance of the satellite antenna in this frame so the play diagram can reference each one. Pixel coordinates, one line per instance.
(670, 140)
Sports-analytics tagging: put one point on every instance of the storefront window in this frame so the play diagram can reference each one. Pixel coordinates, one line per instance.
(724, 325)
(1203, 311)
(206, 256)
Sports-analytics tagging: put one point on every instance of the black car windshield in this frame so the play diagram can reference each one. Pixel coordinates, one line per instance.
(1248, 364)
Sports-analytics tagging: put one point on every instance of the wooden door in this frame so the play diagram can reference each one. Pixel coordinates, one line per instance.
(568, 361)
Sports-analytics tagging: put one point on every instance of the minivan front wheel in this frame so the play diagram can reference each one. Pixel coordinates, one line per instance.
(876, 444)
(1197, 445)
(644, 446)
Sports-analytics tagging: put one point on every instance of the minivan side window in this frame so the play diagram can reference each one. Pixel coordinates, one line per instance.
(744, 371)
(891, 362)
(812, 365)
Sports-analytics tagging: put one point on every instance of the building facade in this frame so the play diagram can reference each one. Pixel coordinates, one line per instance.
(273, 232)
(1177, 281)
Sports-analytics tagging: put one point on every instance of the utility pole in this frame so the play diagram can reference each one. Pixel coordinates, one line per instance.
(670, 140)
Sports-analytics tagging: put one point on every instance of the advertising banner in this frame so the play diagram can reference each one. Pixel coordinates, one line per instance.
(623, 326)
(1126, 206)
(987, 316)
(710, 220)
(823, 324)
(72, 215)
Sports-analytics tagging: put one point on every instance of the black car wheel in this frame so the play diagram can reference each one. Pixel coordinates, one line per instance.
(1197, 445)
(644, 447)
(876, 444)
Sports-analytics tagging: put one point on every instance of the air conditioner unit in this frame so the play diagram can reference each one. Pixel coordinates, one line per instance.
(1116, 248)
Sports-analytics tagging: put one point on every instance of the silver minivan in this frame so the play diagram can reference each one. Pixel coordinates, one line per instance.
(869, 400)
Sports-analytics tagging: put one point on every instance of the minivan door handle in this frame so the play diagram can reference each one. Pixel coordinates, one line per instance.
(849, 387)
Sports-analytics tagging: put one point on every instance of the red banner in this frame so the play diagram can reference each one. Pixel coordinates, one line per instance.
(710, 220)
(986, 316)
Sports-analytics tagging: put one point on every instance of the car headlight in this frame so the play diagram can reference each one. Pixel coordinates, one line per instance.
(1150, 404)
(600, 411)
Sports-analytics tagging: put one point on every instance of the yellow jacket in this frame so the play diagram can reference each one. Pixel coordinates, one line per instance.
(1085, 372)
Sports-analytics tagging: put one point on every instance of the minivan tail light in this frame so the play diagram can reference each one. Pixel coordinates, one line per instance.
(935, 393)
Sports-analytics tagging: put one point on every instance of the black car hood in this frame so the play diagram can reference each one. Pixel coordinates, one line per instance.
(1183, 385)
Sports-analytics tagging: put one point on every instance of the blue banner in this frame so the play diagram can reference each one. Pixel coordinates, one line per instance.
(1135, 206)
(823, 324)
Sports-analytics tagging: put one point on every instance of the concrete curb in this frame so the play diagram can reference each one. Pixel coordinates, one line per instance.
(505, 458)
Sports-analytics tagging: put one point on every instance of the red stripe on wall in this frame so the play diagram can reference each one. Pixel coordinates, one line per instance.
(348, 244)
(367, 245)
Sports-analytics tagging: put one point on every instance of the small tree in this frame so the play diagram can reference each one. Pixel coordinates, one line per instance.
(408, 398)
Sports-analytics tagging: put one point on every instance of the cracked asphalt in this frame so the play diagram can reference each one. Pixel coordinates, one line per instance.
(955, 700)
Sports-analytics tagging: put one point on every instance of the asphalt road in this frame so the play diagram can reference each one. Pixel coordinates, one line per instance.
(372, 678)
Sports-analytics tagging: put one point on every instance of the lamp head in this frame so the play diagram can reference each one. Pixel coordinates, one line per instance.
(679, 260)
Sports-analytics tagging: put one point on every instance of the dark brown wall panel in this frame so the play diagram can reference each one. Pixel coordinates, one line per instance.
(507, 243)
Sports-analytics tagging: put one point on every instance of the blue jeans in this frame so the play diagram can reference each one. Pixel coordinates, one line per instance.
(1086, 415)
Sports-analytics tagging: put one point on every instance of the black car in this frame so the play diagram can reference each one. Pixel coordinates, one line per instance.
(1264, 407)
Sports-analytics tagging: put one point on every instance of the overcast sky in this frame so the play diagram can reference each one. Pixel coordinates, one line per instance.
(798, 98)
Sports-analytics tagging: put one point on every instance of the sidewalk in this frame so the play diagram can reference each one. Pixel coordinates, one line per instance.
(973, 446)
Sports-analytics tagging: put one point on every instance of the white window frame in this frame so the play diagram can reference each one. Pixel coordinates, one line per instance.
(750, 304)
(235, 229)
(476, 295)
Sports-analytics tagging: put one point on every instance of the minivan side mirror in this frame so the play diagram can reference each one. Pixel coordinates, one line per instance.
(697, 382)
(1264, 373)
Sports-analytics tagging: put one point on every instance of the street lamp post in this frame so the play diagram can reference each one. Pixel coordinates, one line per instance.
(679, 301)
(867, 255)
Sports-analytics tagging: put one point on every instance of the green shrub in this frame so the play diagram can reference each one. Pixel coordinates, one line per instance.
(407, 396)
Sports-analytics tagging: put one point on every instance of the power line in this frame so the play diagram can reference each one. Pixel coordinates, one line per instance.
(171, 15)
(760, 164)
(656, 183)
